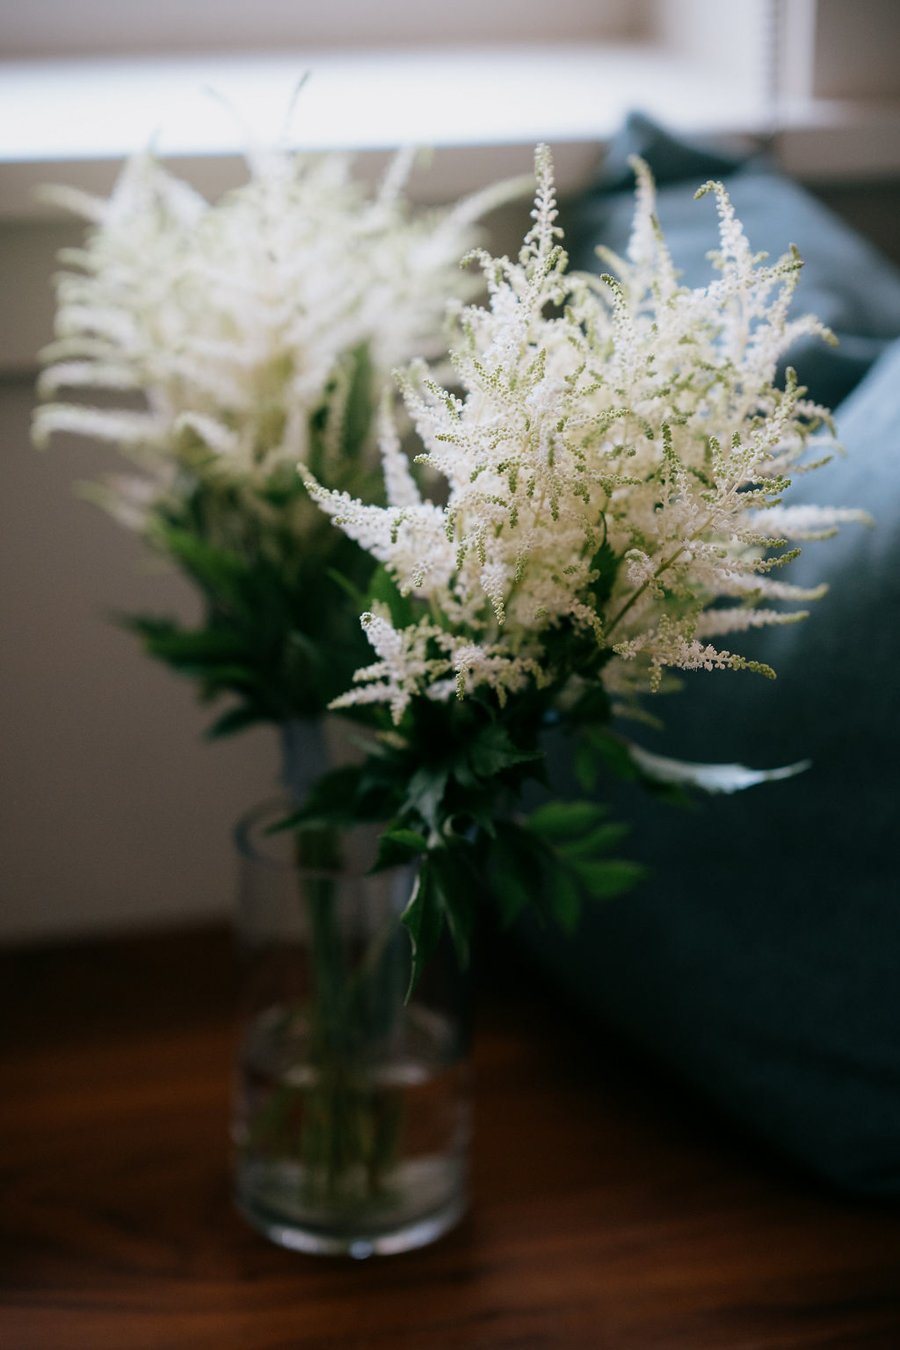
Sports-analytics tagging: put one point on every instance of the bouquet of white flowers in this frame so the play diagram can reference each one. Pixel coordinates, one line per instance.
(616, 459)
(232, 340)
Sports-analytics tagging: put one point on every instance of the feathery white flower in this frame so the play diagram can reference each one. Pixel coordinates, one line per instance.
(615, 464)
(245, 323)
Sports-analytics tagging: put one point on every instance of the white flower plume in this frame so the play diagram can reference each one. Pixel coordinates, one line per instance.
(615, 463)
(239, 324)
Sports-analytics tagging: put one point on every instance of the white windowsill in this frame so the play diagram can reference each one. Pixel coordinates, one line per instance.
(74, 120)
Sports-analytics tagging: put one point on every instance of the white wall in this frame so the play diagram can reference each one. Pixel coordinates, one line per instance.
(113, 812)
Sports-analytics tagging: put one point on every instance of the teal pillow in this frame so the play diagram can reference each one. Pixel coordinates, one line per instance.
(845, 281)
(761, 959)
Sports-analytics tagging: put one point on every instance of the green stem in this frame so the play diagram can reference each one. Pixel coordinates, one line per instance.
(636, 595)
(350, 1128)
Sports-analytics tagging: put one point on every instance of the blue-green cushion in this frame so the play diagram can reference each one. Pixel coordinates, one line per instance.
(845, 282)
(762, 960)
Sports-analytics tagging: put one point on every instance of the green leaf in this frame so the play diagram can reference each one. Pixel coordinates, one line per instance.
(563, 897)
(566, 820)
(425, 793)
(219, 572)
(331, 801)
(457, 888)
(603, 879)
(197, 646)
(516, 864)
(239, 679)
(493, 750)
(397, 846)
(357, 411)
(424, 920)
(408, 839)
(610, 750)
(577, 835)
(217, 657)
(478, 813)
(597, 841)
(236, 719)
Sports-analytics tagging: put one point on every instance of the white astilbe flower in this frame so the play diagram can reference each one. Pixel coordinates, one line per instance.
(411, 539)
(400, 487)
(405, 664)
(807, 522)
(505, 671)
(238, 323)
(615, 463)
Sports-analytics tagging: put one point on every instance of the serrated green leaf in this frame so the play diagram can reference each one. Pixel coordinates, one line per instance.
(493, 750)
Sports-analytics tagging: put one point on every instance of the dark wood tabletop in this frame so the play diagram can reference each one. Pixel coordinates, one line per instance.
(609, 1211)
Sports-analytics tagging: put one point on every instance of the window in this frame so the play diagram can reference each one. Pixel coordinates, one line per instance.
(90, 27)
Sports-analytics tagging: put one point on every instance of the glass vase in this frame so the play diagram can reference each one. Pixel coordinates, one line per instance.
(352, 1102)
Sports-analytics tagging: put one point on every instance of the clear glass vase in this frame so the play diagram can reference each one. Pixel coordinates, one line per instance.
(352, 1104)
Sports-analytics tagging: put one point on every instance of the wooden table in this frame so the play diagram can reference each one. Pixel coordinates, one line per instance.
(609, 1211)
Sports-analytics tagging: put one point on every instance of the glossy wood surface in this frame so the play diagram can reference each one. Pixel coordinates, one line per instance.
(609, 1212)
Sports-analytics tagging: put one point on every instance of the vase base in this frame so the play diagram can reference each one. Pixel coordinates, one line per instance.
(419, 1232)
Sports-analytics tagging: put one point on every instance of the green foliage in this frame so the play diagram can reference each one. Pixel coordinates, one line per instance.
(559, 857)
(424, 920)
(516, 865)
(448, 785)
(278, 637)
(443, 894)
(398, 846)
